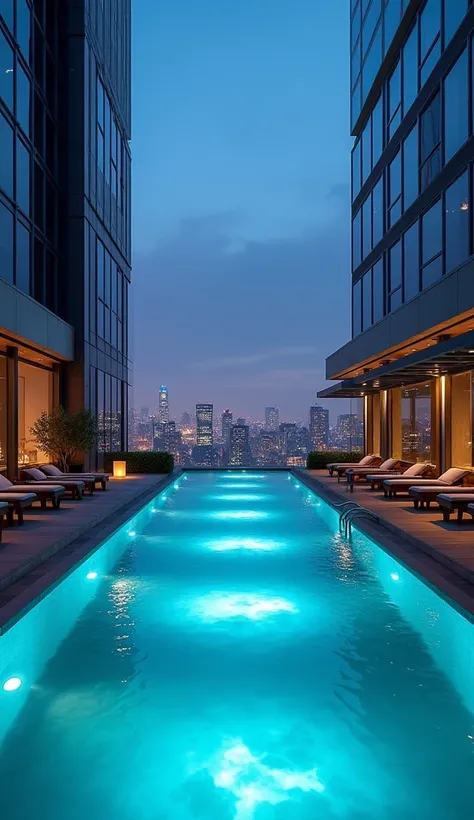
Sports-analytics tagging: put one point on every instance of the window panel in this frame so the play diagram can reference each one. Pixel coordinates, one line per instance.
(6, 9)
(372, 63)
(432, 233)
(430, 62)
(6, 154)
(51, 282)
(457, 222)
(357, 308)
(6, 72)
(356, 169)
(377, 291)
(454, 11)
(395, 267)
(430, 21)
(377, 212)
(367, 300)
(430, 127)
(394, 100)
(6, 244)
(356, 241)
(23, 100)
(410, 168)
(395, 299)
(22, 177)
(355, 102)
(23, 27)
(370, 23)
(456, 107)
(411, 262)
(410, 70)
(377, 131)
(22, 258)
(367, 227)
(395, 190)
(432, 272)
(392, 19)
(366, 151)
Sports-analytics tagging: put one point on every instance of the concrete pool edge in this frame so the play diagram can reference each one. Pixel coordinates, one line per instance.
(443, 576)
(22, 595)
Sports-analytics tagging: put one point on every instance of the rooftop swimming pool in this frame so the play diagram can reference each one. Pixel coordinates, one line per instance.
(228, 656)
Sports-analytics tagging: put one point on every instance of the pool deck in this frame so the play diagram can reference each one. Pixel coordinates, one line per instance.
(51, 542)
(443, 553)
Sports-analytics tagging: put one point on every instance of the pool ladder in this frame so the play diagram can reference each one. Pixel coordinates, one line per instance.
(349, 510)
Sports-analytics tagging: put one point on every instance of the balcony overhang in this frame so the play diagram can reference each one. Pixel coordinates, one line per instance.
(446, 358)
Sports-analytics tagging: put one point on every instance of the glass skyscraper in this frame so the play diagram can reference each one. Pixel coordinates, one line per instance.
(204, 419)
(64, 216)
(412, 228)
(163, 405)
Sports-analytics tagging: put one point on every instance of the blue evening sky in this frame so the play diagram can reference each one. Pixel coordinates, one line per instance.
(241, 162)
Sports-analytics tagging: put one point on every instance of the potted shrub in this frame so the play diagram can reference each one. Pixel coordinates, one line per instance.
(62, 434)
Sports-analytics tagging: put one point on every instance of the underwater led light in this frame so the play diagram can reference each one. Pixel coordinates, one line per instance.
(394, 576)
(91, 576)
(132, 533)
(253, 544)
(12, 684)
(240, 515)
(219, 606)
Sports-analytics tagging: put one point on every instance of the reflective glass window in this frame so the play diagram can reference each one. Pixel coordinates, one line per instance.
(456, 212)
(22, 258)
(355, 102)
(366, 151)
(395, 267)
(367, 300)
(22, 177)
(395, 190)
(377, 212)
(3, 411)
(6, 72)
(454, 11)
(432, 232)
(356, 168)
(456, 107)
(394, 101)
(6, 155)
(410, 168)
(356, 241)
(23, 27)
(6, 10)
(357, 308)
(410, 70)
(391, 21)
(6, 244)
(372, 63)
(411, 261)
(367, 227)
(369, 24)
(23, 100)
(430, 21)
(430, 141)
(377, 131)
(377, 291)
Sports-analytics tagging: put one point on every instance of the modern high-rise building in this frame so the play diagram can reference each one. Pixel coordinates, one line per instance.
(411, 355)
(269, 451)
(272, 419)
(319, 427)
(239, 446)
(204, 426)
(65, 253)
(163, 405)
(226, 427)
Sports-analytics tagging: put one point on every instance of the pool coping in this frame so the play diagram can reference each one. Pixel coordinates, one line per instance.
(430, 566)
(21, 596)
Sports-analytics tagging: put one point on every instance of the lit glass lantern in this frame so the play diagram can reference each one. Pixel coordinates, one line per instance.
(120, 469)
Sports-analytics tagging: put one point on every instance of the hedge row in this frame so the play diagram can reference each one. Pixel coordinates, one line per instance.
(141, 462)
(319, 459)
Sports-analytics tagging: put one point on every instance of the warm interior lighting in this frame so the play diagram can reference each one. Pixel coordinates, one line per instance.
(120, 469)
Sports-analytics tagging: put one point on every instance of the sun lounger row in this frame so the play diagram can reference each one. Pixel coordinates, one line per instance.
(41, 486)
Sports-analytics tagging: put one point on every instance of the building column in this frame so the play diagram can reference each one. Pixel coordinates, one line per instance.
(438, 422)
(12, 413)
(384, 423)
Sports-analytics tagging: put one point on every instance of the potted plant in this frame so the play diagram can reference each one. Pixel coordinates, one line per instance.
(62, 434)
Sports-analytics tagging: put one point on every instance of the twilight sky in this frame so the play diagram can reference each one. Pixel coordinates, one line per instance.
(241, 158)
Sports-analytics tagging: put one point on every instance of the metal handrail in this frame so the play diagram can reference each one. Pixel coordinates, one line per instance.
(362, 512)
(351, 506)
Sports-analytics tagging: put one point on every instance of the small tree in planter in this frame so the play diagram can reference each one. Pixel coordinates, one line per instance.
(61, 434)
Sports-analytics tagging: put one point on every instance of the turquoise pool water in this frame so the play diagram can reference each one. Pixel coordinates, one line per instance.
(227, 656)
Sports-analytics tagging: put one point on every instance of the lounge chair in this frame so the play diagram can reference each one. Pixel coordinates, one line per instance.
(470, 509)
(73, 486)
(367, 461)
(390, 466)
(54, 472)
(3, 512)
(44, 492)
(17, 502)
(395, 486)
(455, 502)
(376, 479)
(424, 495)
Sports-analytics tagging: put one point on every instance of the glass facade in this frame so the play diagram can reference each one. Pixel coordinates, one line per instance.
(411, 423)
(35, 395)
(420, 121)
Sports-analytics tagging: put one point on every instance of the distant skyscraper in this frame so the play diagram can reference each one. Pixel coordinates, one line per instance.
(272, 418)
(204, 456)
(186, 420)
(163, 405)
(204, 415)
(269, 450)
(318, 427)
(226, 426)
(242, 422)
(239, 445)
(144, 413)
